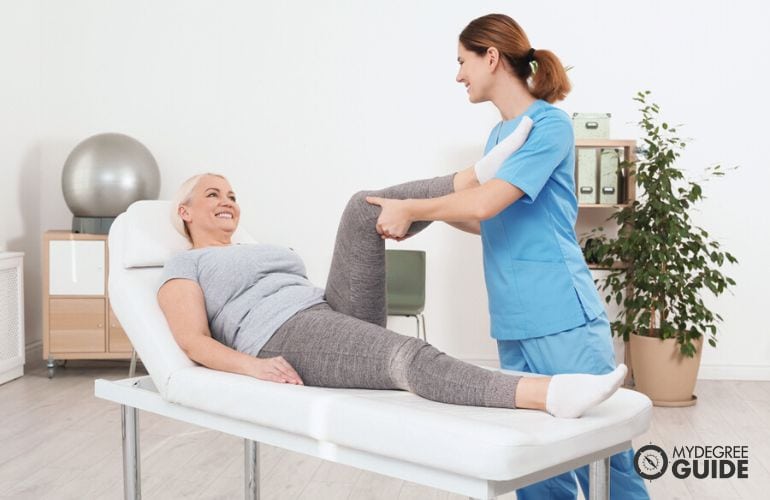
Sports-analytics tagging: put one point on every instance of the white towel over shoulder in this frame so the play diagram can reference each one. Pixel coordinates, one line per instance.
(487, 167)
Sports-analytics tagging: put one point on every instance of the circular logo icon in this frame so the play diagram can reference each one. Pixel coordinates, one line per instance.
(650, 461)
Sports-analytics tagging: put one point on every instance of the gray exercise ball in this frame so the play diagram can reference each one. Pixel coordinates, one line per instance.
(105, 173)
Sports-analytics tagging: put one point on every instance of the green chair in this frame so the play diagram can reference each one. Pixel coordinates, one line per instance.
(405, 278)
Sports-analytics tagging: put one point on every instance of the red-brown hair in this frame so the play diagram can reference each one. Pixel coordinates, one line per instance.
(549, 82)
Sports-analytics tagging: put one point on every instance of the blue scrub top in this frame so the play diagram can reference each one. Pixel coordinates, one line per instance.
(537, 278)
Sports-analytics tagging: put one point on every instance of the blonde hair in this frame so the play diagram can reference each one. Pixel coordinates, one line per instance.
(183, 196)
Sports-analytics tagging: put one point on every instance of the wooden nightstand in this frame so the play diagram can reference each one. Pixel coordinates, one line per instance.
(78, 322)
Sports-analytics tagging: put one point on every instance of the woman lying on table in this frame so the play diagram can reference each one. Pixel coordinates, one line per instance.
(249, 309)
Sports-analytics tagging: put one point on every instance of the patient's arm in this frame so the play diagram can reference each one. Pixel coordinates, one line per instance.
(181, 301)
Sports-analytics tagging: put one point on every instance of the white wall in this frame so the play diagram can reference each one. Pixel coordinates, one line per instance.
(302, 103)
(20, 141)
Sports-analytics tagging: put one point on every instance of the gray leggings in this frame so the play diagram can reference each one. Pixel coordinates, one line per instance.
(344, 343)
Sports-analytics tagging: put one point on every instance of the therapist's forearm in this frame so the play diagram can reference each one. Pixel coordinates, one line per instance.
(473, 227)
(475, 204)
(217, 356)
(459, 206)
(466, 179)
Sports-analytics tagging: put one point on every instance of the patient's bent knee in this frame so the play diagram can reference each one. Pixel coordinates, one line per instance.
(360, 209)
(359, 197)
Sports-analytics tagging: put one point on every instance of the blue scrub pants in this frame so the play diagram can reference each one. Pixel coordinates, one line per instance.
(585, 349)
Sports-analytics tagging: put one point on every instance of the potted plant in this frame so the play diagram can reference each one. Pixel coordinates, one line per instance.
(669, 262)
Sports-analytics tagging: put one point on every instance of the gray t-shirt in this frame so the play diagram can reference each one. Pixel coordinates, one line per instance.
(250, 290)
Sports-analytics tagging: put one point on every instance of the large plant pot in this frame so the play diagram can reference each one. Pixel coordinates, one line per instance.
(662, 373)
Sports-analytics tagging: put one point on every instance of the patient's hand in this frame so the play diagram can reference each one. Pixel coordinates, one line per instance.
(276, 369)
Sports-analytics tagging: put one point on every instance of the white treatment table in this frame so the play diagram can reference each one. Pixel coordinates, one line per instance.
(477, 452)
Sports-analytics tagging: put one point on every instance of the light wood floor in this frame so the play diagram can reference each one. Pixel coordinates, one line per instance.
(58, 441)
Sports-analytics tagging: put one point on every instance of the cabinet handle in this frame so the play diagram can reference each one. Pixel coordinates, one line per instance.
(99, 325)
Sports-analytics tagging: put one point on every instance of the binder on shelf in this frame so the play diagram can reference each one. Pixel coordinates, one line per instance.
(587, 176)
(609, 176)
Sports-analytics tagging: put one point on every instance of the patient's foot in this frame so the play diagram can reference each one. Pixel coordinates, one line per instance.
(571, 395)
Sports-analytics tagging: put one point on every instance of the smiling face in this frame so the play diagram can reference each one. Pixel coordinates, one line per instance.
(211, 212)
(475, 73)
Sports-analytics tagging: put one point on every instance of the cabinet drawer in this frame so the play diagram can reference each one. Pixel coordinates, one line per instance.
(117, 338)
(76, 325)
(75, 267)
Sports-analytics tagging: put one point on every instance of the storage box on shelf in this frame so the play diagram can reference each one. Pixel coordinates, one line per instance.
(78, 322)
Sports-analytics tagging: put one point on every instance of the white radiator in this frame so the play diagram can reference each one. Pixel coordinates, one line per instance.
(11, 316)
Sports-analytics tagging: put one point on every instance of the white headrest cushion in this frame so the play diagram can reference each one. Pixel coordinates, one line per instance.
(152, 240)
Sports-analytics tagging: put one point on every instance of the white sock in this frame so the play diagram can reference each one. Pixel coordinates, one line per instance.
(570, 395)
(487, 167)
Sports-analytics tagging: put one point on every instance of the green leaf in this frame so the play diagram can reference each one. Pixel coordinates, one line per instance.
(671, 261)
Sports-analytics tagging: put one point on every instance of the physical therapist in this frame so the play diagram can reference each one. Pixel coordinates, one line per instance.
(546, 313)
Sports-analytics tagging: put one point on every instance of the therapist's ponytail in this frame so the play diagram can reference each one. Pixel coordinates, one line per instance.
(539, 69)
(550, 81)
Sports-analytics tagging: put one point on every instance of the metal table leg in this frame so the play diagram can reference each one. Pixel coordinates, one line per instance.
(132, 486)
(132, 366)
(251, 469)
(599, 479)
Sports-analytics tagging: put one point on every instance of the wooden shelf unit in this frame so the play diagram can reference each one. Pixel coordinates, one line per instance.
(629, 156)
(629, 189)
(78, 322)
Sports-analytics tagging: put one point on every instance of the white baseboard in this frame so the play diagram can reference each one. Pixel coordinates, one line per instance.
(13, 373)
(706, 372)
